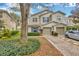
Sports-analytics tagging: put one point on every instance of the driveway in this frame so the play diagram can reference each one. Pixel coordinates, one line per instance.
(67, 47)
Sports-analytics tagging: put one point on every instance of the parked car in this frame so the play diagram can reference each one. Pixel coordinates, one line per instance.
(72, 34)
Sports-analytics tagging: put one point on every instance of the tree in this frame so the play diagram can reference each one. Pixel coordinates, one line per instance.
(16, 19)
(25, 7)
(75, 14)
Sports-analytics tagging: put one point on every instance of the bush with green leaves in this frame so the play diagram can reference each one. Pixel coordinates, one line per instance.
(33, 34)
(14, 32)
(75, 27)
(68, 28)
(6, 34)
(15, 48)
(54, 33)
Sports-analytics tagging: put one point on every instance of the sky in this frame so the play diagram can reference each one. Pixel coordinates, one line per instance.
(66, 8)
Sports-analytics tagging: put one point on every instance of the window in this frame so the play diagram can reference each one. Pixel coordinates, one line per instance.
(45, 19)
(59, 18)
(34, 19)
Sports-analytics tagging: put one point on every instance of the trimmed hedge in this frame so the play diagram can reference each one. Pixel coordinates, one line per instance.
(14, 32)
(34, 34)
(75, 27)
(14, 48)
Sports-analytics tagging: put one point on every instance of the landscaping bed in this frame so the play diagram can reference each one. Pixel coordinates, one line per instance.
(11, 45)
(15, 48)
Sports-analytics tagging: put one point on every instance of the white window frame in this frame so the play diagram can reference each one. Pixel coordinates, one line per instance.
(34, 20)
(45, 19)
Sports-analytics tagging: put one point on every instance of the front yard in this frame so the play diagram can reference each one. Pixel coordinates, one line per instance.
(36, 45)
(16, 48)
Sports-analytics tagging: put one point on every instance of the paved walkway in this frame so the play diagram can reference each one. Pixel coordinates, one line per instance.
(63, 45)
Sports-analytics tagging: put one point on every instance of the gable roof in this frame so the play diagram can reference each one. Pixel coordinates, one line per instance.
(41, 13)
(60, 12)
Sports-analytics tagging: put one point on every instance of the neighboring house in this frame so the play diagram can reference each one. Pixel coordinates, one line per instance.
(9, 22)
(72, 18)
(48, 21)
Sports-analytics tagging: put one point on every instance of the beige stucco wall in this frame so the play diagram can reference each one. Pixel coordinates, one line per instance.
(30, 20)
(58, 23)
(8, 21)
(63, 18)
(49, 25)
(29, 29)
(39, 18)
(46, 15)
(53, 25)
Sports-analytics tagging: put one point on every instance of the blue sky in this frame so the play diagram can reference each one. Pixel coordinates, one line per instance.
(57, 7)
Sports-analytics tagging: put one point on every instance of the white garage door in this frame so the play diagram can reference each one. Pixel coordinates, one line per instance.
(47, 31)
(60, 30)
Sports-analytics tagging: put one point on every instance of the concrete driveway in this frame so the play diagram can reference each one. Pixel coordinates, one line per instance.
(68, 47)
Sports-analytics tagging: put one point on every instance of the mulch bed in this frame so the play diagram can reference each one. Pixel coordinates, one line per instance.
(46, 49)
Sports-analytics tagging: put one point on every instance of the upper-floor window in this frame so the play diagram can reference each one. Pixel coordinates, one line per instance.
(45, 19)
(34, 19)
(59, 18)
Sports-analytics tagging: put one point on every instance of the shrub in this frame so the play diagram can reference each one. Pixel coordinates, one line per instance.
(54, 33)
(75, 27)
(14, 48)
(33, 34)
(6, 33)
(14, 32)
(68, 28)
(1, 34)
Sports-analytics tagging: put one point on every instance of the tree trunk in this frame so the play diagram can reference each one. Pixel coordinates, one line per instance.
(24, 25)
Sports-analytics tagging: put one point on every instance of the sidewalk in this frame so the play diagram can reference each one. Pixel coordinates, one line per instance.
(63, 45)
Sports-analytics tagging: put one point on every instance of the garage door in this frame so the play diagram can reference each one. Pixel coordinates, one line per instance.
(60, 30)
(47, 31)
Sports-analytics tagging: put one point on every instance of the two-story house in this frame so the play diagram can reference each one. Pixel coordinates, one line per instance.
(48, 21)
(7, 19)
